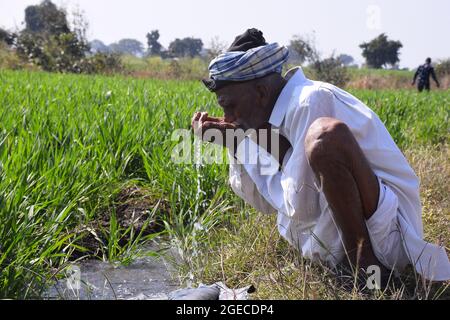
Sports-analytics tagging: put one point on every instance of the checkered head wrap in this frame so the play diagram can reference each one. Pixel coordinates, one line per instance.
(248, 58)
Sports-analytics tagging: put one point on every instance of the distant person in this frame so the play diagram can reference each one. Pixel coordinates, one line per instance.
(423, 72)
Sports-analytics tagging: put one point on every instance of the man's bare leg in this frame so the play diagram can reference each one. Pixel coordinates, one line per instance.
(349, 185)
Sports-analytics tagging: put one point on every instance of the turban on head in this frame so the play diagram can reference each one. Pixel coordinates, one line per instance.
(248, 58)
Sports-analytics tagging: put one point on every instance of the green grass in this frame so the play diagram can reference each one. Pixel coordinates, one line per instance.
(411, 118)
(69, 144)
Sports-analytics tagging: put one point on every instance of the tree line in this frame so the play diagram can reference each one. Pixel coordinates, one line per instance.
(49, 41)
(186, 47)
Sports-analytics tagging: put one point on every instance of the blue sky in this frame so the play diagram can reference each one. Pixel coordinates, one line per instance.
(339, 26)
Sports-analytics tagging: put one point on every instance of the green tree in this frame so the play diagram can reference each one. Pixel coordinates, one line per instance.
(330, 70)
(47, 40)
(46, 17)
(381, 52)
(187, 47)
(303, 49)
(345, 59)
(97, 46)
(127, 46)
(7, 37)
(154, 47)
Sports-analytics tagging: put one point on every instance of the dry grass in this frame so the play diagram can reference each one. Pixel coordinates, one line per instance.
(250, 250)
(432, 165)
(377, 81)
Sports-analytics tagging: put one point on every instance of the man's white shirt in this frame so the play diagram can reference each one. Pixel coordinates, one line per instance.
(304, 217)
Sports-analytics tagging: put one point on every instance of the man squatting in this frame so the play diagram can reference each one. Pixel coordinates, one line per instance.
(344, 192)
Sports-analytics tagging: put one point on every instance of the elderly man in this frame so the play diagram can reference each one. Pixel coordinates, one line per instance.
(344, 192)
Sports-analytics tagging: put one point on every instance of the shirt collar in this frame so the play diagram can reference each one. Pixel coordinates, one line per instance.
(295, 77)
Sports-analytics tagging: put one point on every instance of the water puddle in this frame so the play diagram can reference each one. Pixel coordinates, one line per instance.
(146, 278)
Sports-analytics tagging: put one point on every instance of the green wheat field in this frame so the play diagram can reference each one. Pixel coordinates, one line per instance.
(74, 149)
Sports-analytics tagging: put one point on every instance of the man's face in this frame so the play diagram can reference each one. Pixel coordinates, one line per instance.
(241, 104)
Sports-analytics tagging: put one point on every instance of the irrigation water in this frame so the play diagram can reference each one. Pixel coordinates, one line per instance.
(148, 278)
